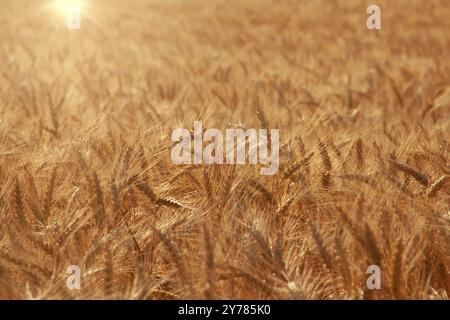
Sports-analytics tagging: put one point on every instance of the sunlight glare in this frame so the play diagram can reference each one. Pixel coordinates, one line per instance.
(67, 7)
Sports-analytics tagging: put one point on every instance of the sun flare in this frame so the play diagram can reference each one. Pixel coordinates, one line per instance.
(67, 7)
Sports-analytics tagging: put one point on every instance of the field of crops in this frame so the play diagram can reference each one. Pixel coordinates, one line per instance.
(87, 178)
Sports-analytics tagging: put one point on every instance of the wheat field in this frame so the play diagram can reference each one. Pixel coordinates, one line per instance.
(86, 176)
